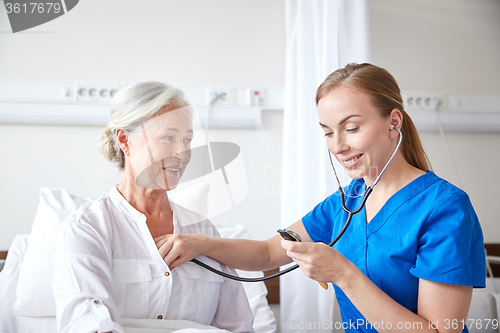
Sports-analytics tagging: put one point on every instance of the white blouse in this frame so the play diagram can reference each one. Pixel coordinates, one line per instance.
(107, 266)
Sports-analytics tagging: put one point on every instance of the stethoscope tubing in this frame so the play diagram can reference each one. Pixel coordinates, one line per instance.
(349, 212)
(291, 268)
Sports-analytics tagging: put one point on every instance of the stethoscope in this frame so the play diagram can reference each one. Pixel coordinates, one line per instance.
(294, 236)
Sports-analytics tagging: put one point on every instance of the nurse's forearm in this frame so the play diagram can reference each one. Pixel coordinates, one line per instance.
(249, 255)
(386, 315)
(382, 312)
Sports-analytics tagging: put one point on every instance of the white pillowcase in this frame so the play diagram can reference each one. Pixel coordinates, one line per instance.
(34, 290)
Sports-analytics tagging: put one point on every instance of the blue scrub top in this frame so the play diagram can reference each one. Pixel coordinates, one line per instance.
(427, 230)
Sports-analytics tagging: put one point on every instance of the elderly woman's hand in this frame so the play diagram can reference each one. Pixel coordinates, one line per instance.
(177, 249)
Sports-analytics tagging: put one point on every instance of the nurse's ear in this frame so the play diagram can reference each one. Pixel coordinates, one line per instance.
(396, 122)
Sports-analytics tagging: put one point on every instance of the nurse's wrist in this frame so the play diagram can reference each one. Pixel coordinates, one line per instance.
(206, 245)
(349, 277)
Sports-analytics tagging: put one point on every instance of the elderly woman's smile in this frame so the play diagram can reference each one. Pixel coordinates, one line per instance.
(160, 149)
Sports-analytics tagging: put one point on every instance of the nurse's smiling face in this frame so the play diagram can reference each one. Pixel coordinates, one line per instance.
(357, 135)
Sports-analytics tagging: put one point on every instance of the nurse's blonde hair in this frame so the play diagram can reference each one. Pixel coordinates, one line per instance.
(384, 91)
(130, 108)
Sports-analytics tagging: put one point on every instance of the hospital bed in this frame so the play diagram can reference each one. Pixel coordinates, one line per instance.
(26, 301)
(484, 312)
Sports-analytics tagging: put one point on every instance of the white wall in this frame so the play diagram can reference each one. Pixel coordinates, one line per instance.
(448, 45)
(180, 42)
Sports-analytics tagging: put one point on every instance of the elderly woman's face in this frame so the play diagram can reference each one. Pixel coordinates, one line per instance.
(160, 149)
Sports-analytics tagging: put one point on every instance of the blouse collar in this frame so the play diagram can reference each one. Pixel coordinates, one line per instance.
(129, 210)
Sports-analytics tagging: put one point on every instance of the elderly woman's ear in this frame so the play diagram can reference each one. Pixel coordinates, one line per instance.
(122, 138)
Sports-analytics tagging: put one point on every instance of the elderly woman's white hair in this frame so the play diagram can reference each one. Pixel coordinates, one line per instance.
(131, 107)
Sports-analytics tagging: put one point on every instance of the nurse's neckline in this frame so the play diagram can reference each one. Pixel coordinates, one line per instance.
(393, 195)
(425, 173)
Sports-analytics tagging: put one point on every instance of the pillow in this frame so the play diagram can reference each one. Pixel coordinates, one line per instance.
(34, 290)
(17, 249)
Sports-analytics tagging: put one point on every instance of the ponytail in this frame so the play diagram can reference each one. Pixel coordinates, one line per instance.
(412, 149)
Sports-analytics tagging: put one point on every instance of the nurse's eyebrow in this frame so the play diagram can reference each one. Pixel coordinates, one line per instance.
(348, 117)
(343, 120)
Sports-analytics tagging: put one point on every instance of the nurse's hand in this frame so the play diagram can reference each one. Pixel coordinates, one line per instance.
(177, 249)
(318, 261)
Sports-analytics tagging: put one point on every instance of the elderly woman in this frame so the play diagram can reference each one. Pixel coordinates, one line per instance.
(107, 264)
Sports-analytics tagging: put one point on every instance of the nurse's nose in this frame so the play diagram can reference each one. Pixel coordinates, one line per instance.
(338, 144)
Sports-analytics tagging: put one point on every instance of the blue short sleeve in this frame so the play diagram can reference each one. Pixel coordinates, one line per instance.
(319, 221)
(450, 244)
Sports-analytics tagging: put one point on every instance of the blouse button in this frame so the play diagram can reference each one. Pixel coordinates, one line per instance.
(160, 317)
(167, 273)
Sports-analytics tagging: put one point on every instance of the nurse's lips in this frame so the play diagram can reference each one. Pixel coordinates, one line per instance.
(351, 161)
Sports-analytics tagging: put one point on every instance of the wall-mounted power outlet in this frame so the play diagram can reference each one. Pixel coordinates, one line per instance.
(220, 96)
(256, 97)
(96, 92)
(422, 100)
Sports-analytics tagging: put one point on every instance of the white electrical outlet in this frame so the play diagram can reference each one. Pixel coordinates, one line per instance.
(422, 100)
(220, 96)
(96, 92)
(255, 97)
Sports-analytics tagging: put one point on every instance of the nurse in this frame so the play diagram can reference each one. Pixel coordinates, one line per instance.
(410, 258)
